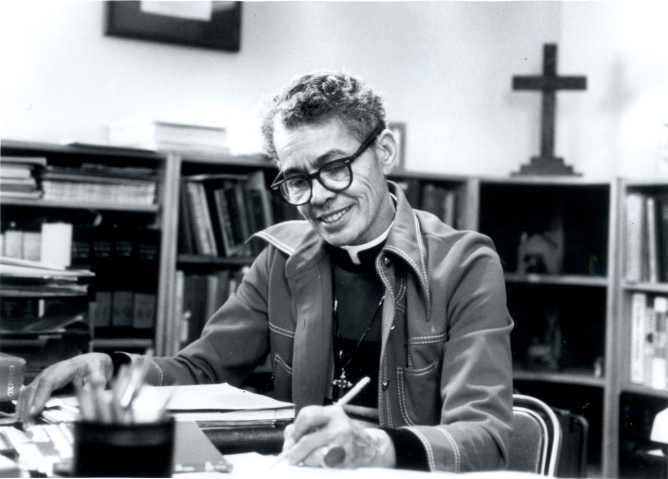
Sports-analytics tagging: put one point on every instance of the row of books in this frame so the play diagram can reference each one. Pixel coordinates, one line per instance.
(436, 198)
(646, 237)
(123, 185)
(219, 212)
(649, 340)
(125, 261)
(198, 297)
(33, 178)
(48, 242)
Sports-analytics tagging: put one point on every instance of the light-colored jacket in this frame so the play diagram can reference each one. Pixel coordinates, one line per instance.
(445, 368)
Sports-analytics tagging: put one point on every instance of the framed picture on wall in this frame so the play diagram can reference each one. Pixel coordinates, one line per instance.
(214, 25)
(399, 130)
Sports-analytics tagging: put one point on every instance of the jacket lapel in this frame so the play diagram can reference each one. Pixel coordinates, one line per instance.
(309, 276)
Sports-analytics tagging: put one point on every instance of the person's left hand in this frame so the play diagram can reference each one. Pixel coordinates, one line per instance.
(317, 429)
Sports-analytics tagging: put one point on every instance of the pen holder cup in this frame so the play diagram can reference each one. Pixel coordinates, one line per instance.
(123, 450)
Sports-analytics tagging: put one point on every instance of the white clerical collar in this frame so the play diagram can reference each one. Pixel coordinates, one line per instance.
(355, 249)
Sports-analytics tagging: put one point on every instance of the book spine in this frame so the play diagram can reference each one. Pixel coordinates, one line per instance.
(13, 242)
(634, 237)
(101, 262)
(638, 313)
(56, 245)
(651, 240)
(146, 257)
(202, 226)
(122, 278)
(660, 357)
(662, 222)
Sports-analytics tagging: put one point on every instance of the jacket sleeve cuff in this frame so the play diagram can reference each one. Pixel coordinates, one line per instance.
(410, 453)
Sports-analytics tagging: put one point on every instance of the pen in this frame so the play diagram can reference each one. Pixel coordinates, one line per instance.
(349, 396)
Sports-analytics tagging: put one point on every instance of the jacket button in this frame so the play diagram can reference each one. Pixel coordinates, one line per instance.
(386, 261)
(385, 385)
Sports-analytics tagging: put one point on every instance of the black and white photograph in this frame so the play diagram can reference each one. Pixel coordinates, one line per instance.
(331, 238)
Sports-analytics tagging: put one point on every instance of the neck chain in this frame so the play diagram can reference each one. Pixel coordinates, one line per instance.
(342, 383)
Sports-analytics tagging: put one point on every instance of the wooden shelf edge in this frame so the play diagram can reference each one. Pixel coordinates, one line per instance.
(562, 279)
(644, 390)
(73, 205)
(661, 288)
(580, 379)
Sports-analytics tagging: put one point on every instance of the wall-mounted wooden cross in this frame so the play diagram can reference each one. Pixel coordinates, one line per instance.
(548, 83)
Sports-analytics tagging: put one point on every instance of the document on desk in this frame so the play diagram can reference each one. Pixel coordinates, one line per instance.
(210, 405)
(224, 405)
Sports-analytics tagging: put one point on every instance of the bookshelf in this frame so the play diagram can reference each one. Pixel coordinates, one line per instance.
(85, 201)
(642, 298)
(572, 314)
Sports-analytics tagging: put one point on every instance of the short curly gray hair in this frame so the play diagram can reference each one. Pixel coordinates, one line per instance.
(319, 96)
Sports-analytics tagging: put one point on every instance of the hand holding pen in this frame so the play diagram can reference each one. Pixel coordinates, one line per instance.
(327, 437)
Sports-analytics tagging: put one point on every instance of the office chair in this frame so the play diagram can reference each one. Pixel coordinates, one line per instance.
(536, 437)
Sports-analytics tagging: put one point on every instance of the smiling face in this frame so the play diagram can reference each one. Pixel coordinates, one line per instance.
(364, 210)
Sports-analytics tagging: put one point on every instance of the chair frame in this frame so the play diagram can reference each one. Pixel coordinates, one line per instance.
(551, 426)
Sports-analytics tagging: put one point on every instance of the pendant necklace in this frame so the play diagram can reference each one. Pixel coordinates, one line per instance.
(342, 383)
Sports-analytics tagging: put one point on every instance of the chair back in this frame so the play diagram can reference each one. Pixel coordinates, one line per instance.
(536, 436)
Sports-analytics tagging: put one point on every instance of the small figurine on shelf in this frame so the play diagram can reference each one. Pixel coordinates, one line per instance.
(541, 253)
(544, 352)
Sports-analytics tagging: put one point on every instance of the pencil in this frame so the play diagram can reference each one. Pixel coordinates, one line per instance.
(349, 396)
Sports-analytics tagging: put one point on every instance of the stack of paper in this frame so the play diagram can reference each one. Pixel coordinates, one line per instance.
(19, 277)
(209, 405)
(169, 136)
(224, 406)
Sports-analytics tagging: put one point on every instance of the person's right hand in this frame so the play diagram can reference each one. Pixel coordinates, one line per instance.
(94, 368)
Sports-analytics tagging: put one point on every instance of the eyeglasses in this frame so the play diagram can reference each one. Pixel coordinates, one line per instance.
(336, 176)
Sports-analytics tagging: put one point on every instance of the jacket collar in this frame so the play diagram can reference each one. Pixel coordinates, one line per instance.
(405, 243)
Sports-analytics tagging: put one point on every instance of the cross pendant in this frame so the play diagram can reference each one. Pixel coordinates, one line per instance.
(342, 383)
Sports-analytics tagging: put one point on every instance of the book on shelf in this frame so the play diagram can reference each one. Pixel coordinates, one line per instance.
(662, 243)
(646, 237)
(40, 315)
(200, 216)
(100, 183)
(634, 239)
(122, 274)
(169, 136)
(659, 370)
(649, 349)
(198, 297)
(56, 243)
(221, 212)
(146, 257)
(101, 262)
(439, 200)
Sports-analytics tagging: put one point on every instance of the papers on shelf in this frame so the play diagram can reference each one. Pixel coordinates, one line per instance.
(19, 277)
(23, 268)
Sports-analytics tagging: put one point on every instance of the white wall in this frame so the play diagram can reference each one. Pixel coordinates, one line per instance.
(444, 67)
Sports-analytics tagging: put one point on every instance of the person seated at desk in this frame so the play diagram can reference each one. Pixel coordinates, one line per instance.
(366, 286)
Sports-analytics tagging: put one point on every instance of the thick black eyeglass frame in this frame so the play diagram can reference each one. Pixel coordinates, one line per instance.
(276, 185)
